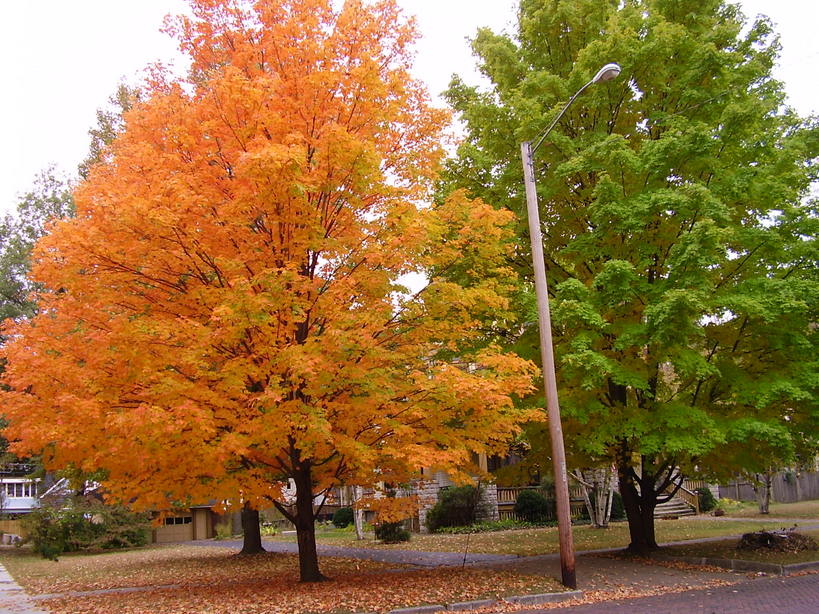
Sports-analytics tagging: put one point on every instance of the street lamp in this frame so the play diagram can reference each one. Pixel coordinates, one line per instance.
(564, 522)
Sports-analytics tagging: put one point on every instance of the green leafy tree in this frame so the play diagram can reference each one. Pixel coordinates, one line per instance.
(49, 199)
(679, 240)
(110, 123)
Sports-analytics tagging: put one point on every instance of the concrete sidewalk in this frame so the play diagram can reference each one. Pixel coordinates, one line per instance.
(13, 599)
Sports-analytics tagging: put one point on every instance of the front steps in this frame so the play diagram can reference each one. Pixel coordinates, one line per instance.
(674, 508)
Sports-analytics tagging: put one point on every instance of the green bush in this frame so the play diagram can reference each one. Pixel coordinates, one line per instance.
(342, 517)
(457, 506)
(392, 533)
(532, 506)
(618, 510)
(706, 499)
(81, 525)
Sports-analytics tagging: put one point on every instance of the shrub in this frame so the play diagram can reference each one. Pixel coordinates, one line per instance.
(457, 506)
(532, 506)
(488, 526)
(706, 499)
(343, 517)
(392, 532)
(618, 510)
(223, 531)
(83, 526)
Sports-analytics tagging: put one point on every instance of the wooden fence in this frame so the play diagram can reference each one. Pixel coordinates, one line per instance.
(8, 526)
(787, 487)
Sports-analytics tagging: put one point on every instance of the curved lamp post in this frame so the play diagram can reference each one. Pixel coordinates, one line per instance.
(564, 522)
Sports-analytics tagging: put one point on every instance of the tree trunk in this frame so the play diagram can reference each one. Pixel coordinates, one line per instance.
(639, 500)
(596, 486)
(584, 488)
(604, 492)
(358, 513)
(305, 525)
(251, 530)
(611, 474)
(763, 492)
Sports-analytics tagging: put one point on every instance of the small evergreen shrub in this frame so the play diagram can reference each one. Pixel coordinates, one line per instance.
(706, 499)
(457, 506)
(392, 532)
(343, 517)
(618, 510)
(532, 506)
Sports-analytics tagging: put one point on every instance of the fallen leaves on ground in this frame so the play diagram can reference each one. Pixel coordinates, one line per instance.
(155, 566)
(216, 580)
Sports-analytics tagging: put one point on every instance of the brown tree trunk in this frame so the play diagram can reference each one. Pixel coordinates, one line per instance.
(639, 501)
(305, 525)
(251, 531)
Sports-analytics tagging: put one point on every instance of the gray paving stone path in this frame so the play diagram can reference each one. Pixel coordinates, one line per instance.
(13, 599)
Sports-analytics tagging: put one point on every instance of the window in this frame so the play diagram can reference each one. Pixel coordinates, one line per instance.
(19, 489)
(178, 520)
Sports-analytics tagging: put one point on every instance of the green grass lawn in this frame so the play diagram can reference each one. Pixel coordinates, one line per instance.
(808, 510)
(528, 542)
(727, 549)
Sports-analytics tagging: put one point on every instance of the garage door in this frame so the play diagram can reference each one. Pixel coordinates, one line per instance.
(175, 529)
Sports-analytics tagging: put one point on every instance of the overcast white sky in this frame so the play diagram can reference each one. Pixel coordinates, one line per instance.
(62, 59)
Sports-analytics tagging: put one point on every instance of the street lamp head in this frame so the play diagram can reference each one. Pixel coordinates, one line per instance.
(607, 73)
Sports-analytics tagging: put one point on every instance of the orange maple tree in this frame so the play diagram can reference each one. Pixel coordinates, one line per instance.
(226, 312)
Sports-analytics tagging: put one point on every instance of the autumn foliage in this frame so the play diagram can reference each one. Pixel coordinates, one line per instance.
(227, 310)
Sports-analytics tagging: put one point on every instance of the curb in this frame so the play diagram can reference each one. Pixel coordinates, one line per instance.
(537, 599)
(797, 567)
(740, 565)
(544, 598)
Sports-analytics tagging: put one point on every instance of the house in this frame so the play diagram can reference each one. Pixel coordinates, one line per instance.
(19, 494)
(18, 491)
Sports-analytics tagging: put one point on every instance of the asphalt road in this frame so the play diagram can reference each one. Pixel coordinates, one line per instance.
(776, 595)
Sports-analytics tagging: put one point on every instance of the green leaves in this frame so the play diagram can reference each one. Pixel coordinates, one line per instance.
(679, 243)
(49, 201)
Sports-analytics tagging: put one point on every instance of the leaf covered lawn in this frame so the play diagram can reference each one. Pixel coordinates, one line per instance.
(215, 580)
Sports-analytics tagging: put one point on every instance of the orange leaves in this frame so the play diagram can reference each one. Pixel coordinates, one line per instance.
(228, 303)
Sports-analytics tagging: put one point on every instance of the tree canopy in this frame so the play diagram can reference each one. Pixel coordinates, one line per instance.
(227, 309)
(49, 199)
(679, 231)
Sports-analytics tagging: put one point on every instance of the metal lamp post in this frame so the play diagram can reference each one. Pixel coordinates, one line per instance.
(564, 523)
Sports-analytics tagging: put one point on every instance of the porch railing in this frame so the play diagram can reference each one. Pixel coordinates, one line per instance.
(507, 495)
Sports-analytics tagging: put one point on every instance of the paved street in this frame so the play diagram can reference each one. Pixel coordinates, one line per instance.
(788, 595)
